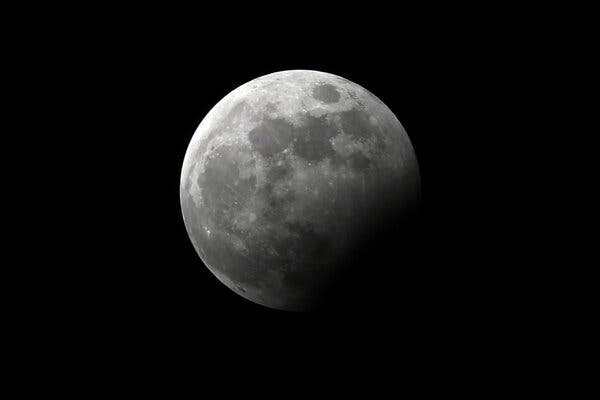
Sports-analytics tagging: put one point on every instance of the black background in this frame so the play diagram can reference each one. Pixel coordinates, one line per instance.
(137, 88)
(111, 98)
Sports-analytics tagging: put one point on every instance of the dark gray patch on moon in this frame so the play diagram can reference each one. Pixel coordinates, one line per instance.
(359, 162)
(278, 171)
(271, 136)
(277, 201)
(310, 141)
(313, 139)
(326, 93)
(356, 123)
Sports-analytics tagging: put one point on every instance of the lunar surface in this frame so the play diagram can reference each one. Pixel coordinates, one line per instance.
(285, 175)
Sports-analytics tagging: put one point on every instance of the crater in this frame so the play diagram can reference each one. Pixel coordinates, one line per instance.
(326, 93)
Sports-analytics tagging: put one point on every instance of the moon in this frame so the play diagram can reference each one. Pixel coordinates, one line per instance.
(284, 176)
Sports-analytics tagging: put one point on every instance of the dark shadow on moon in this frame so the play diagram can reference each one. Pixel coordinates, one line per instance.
(381, 267)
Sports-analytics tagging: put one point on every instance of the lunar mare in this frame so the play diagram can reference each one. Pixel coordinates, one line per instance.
(283, 176)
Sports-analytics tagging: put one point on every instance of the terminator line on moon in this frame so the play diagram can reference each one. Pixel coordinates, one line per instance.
(284, 175)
